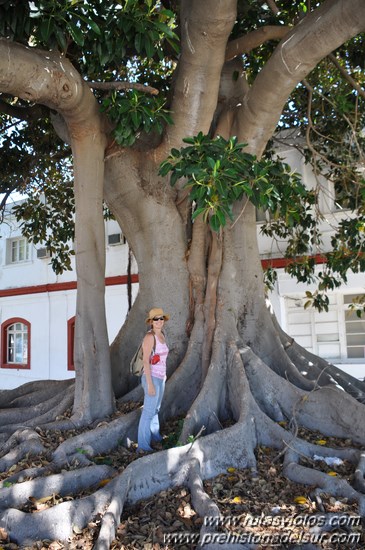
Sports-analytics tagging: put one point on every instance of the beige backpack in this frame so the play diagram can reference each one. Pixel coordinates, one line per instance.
(136, 364)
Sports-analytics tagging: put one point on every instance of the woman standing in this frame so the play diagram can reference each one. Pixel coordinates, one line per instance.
(155, 353)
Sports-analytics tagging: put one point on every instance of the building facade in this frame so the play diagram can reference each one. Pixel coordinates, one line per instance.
(37, 307)
(338, 334)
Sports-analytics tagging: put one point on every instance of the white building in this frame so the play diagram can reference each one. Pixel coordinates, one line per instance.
(37, 307)
(337, 335)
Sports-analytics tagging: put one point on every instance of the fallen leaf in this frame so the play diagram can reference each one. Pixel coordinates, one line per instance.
(300, 500)
(42, 500)
(230, 470)
(104, 482)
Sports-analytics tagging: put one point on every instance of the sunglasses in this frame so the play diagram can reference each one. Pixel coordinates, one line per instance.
(158, 319)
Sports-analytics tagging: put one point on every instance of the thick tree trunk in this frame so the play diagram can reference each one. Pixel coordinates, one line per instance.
(94, 396)
(49, 79)
(156, 235)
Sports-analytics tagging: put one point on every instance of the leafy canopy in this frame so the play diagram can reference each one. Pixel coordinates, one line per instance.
(219, 173)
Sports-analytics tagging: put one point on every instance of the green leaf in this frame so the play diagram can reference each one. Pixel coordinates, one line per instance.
(174, 178)
(214, 222)
(61, 38)
(76, 33)
(148, 46)
(45, 29)
(136, 118)
(211, 163)
(92, 24)
(138, 42)
(198, 211)
(189, 140)
(221, 217)
(165, 168)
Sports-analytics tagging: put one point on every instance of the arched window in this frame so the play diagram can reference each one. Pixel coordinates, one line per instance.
(70, 343)
(15, 344)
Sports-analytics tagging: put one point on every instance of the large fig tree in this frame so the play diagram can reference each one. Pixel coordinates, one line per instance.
(167, 109)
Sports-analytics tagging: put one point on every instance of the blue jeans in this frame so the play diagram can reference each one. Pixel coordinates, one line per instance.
(149, 425)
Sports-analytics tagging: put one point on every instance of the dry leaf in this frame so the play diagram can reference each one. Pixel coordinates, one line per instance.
(104, 482)
(43, 500)
(300, 500)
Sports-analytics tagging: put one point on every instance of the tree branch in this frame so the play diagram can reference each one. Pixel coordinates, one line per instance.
(123, 86)
(300, 51)
(272, 5)
(205, 30)
(346, 75)
(3, 204)
(252, 40)
(348, 121)
(22, 113)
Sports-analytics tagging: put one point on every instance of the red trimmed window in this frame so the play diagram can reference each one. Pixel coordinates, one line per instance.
(70, 343)
(15, 344)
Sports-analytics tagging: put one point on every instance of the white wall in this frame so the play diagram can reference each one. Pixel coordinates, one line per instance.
(49, 311)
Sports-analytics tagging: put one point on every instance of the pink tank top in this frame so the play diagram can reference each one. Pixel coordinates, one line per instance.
(159, 369)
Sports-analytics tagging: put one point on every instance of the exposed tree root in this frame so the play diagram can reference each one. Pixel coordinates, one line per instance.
(206, 410)
(32, 393)
(359, 476)
(324, 483)
(66, 483)
(99, 440)
(22, 443)
(26, 413)
(334, 410)
(28, 417)
(307, 362)
(270, 349)
(56, 523)
(141, 479)
(318, 369)
(202, 503)
(239, 386)
(183, 386)
(180, 391)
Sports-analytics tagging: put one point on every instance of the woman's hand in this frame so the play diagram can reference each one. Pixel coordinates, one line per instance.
(151, 389)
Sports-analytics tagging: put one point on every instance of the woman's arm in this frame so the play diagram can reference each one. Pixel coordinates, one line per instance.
(147, 345)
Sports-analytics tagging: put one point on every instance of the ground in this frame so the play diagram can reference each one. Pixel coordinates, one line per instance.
(168, 520)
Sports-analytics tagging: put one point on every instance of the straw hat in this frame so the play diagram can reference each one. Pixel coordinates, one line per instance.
(157, 312)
